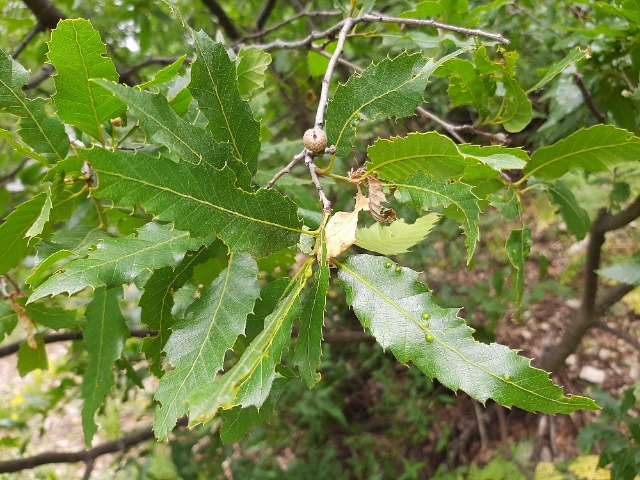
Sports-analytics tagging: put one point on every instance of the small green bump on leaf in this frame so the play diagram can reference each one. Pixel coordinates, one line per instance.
(398, 269)
(388, 265)
(428, 338)
(426, 316)
(506, 378)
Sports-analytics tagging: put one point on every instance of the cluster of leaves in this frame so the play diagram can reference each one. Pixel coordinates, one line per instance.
(617, 432)
(160, 184)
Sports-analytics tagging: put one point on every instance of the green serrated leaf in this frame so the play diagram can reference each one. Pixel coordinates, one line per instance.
(117, 261)
(250, 67)
(164, 126)
(422, 192)
(517, 112)
(308, 349)
(594, 149)
(165, 75)
(507, 204)
(249, 380)
(8, 320)
(628, 272)
(393, 87)
(198, 343)
(396, 238)
(518, 247)
(22, 149)
(52, 317)
(496, 156)
(104, 333)
(402, 157)
(574, 216)
(78, 54)
(465, 85)
(42, 132)
(239, 421)
(43, 217)
(215, 87)
(156, 301)
(15, 245)
(197, 198)
(30, 359)
(573, 56)
(403, 316)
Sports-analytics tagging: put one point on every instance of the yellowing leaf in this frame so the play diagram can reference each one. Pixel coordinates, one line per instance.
(396, 238)
(340, 232)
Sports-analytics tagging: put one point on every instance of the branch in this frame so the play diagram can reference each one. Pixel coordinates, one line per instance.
(87, 456)
(225, 22)
(44, 72)
(331, 31)
(469, 32)
(331, 337)
(347, 336)
(37, 28)
(265, 13)
(610, 222)
(313, 170)
(296, 159)
(621, 335)
(592, 306)
(326, 80)
(46, 13)
(588, 98)
(66, 336)
(278, 26)
(127, 71)
(612, 296)
(8, 178)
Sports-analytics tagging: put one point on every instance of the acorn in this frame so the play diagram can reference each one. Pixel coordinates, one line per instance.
(315, 139)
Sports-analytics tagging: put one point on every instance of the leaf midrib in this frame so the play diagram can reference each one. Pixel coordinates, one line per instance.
(205, 341)
(573, 153)
(224, 113)
(200, 201)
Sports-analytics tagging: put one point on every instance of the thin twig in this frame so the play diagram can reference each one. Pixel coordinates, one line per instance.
(126, 71)
(37, 28)
(339, 337)
(326, 80)
(621, 335)
(588, 98)
(265, 13)
(421, 22)
(296, 159)
(44, 72)
(45, 12)
(223, 19)
(612, 296)
(313, 170)
(484, 438)
(305, 42)
(284, 23)
(8, 178)
(46, 458)
(13, 348)
(331, 31)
